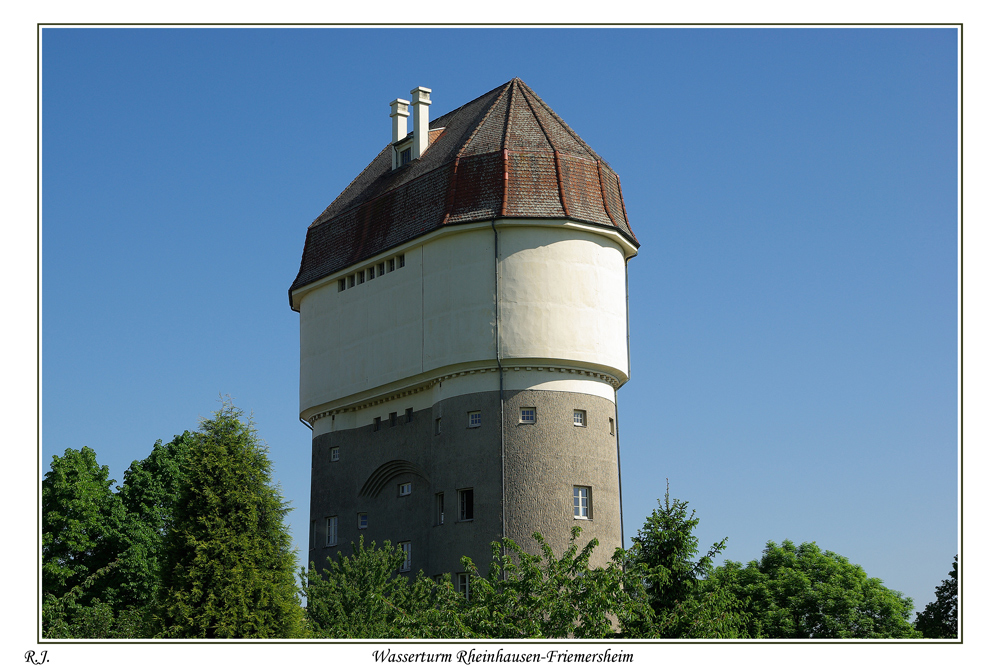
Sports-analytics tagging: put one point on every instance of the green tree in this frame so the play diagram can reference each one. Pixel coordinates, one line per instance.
(800, 592)
(543, 595)
(524, 595)
(363, 595)
(79, 518)
(148, 493)
(664, 558)
(939, 619)
(228, 567)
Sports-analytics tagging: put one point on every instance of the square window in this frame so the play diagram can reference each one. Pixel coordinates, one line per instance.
(581, 502)
(439, 509)
(331, 531)
(406, 489)
(376, 423)
(409, 415)
(465, 505)
(463, 584)
(381, 268)
(362, 520)
(527, 415)
(401, 260)
(392, 264)
(475, 419)
(371, 273)
(407, 556)
(580, 418)
(335, 453)
(392, 419)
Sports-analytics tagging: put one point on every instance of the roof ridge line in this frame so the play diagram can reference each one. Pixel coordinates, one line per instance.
(555, 154)
(565, 125)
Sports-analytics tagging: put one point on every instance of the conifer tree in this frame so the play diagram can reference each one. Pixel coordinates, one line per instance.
(939, 619)
(229, 570)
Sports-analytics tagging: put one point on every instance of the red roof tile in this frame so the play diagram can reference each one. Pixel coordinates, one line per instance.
(504, 154)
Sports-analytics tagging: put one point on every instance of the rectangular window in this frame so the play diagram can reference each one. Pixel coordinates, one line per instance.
(407, 556)
(371, 273)
(362, 520)
(343, 284)
(392, 264)
(579, 418)
(376, 423)
(465, 505)
(475, 419)
(335, 453)
(350, 280)
(392, 419)
(409, 415)
(437, 426)
(406, 489)
(331, 531)
(463, 584)
(402, 261)
(581, 502)
(404, 156)
(611, 420)
(527, 415)
(439, 509)
(312, 534)
(381, 268)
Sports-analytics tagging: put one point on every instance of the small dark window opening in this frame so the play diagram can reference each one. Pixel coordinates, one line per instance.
(465, 511)
(409, 415)
(404, 156)
(375, 423)
(392, 419)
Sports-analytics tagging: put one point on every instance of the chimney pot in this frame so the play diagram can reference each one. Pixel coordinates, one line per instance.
(421, 119)
(400, 112)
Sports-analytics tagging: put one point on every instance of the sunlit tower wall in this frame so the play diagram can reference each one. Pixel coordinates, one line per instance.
(463, 311)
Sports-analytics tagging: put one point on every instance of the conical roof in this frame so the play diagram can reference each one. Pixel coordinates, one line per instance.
(505, 154)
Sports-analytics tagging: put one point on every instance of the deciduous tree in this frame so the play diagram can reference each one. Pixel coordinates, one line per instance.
(80, 514)
(801, 592)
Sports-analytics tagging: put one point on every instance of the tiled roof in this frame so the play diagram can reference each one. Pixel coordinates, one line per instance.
(504, 154)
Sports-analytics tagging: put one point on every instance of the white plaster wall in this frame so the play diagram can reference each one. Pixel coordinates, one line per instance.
(459, 272)
(562, 303)
(563, 296)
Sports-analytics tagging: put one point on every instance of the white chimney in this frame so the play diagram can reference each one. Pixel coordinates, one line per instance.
(421, 119)
(400, 112)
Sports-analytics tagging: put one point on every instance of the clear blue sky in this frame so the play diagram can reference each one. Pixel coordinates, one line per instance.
(793, 307)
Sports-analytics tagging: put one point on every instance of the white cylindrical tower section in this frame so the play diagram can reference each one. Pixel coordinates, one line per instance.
(558, 287)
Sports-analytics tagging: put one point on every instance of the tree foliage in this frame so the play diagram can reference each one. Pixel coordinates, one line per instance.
(800, 592)
(363, 595)
(939, 619)
(80, 520)
(149, 493)
(664, 557)
(228, 570)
